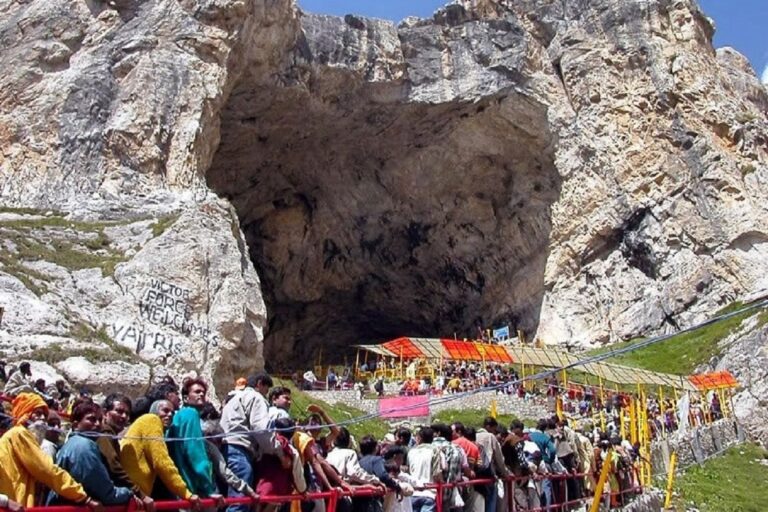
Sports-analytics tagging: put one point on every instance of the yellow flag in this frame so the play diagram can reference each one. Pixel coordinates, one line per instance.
(493, 411)
(559, 408)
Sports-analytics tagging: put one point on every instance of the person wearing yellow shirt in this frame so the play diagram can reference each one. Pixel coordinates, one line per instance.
(454, 384)
(24, 464)
(144, 454)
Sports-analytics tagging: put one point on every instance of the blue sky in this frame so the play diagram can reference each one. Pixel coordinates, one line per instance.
(740, 23)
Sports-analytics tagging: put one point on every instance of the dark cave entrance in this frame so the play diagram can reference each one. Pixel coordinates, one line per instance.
(369, 217)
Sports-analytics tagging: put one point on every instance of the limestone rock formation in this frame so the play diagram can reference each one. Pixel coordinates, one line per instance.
(100, 299)
(109, 118)
(586, 170)
(589, 171)
(101, 377)
(745, 355)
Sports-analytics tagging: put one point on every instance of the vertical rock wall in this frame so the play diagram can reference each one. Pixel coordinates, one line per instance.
(661, 217)
(109, 116)
(589, 170)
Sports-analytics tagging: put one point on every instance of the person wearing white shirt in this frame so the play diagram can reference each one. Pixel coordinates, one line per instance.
(345, 461)
(245, 420)
(425, 466)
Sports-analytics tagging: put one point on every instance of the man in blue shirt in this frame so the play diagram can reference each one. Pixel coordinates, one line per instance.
(548, 454)
(81, 458)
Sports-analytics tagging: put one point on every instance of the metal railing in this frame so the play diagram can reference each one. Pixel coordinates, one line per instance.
(333, 496)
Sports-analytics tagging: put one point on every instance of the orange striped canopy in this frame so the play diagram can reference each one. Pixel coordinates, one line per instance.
(548, 357)
(714, 380)
(405, 348)
(430, 348)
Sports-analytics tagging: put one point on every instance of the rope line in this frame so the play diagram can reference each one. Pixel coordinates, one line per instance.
(457, 396)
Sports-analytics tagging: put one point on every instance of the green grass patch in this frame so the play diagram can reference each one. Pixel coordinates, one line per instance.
(64, 253)
(730, 308)
(84, 332)
(57, 352)
(732, 482)
(95, 244)
(72, 244)
(747, 169)
(30, 277)
(681, 354)
(56, 221)
(338, 412)
(474, 417)
(109, 350)
(163, 223)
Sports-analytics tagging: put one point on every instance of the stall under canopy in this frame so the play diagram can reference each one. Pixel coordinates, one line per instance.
(443, 349)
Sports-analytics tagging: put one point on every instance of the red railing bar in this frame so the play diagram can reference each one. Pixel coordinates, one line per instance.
(294, 497)
(333, 496)
(362, 493)
(180, 504)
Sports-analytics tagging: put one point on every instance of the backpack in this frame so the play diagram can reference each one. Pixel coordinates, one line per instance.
(484, 464)
(451, 472)
(484, 469)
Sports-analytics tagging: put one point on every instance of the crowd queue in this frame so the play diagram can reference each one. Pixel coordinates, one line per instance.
(601, 406)
(60, 447)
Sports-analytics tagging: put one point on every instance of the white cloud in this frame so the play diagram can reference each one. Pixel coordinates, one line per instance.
(764, 79)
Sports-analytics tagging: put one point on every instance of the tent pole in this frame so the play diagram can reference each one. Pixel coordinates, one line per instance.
(522, 361)
(721, 396)
(602, 393)
(730, 401)
(633, 420)
(663, 412)
(357, 364)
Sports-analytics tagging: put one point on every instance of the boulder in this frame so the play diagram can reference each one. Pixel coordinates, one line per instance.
(100, 378)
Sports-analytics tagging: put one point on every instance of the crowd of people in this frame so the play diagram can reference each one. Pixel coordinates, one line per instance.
(601, 405)
(173, 443)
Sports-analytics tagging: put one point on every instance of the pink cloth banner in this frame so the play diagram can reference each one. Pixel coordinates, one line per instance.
(404, 406)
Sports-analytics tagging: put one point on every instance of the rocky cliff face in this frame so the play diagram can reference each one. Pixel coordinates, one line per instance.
(588, 171)
(104, 301)
(109, 116)
(585, 170)
(745, 355)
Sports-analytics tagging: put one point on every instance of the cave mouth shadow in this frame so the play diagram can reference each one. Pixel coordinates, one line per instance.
(369, 217)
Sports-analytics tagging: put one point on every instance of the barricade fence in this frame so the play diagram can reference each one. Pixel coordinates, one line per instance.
(332, 497)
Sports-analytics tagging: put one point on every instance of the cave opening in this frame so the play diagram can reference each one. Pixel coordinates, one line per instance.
(370, 217)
